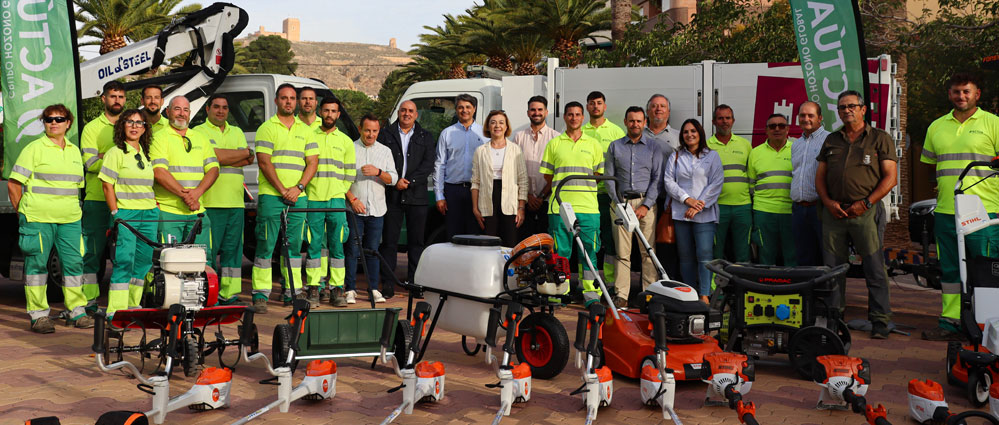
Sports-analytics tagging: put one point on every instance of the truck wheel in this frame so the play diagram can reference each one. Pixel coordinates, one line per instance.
(543, 344)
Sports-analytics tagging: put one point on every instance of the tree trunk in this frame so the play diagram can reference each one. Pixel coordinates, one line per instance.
(110, 44)
(457, 71)
(501, 63)
(620, 18)
(568, 52)
(526, 68)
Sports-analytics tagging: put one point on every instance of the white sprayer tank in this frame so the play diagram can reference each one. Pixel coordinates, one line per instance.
(470, 265)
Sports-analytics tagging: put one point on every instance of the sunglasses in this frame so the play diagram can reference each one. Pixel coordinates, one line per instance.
(134, 123)
(138, 157)
(848, 106)
(57, 118)
(187, 146)
(778, 126)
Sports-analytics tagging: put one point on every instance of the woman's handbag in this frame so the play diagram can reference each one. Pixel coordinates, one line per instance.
(665, 233)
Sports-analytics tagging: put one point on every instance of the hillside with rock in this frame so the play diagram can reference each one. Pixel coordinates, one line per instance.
(354, 66)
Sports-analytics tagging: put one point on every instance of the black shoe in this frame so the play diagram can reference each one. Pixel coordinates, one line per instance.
(942, 334)
(879, 330)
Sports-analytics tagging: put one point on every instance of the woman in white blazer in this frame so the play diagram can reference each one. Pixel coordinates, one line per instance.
(499, 181)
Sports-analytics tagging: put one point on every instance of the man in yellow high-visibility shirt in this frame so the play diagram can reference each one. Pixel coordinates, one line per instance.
(735, 206)
(307, 112)
(602, 130)
(770, 172)
(966, 134)
(224, 200)
(288, 159)
(96, 139)
(152, 100)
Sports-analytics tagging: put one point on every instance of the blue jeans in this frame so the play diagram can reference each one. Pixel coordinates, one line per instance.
(695, 244)
(369, 232)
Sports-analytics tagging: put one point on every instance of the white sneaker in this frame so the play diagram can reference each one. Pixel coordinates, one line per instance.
(351, 297)
(378, 296)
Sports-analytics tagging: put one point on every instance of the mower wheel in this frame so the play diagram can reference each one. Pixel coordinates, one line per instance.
(280, 344)
(979, 382)
(403, 339)
(953, 348)
(191, 354)
(809, 343)
(647, 361)
(543, 345)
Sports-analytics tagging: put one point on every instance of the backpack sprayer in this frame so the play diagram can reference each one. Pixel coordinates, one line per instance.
(423, 381)
(598, 383)
(729, 376)
(211, 391)
(927, 405)
(515, 381)
(844, 382)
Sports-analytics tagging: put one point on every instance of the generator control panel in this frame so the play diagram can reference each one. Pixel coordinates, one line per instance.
(766, 309)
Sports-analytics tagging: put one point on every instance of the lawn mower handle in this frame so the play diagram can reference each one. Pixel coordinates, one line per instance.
(188, 240)
(993, 164)
(558, 189)
(718, 266)
(657, 315)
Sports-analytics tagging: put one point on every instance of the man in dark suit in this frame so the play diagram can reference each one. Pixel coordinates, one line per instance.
(414, 151)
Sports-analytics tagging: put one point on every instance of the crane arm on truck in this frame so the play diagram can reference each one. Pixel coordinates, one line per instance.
(207, 34)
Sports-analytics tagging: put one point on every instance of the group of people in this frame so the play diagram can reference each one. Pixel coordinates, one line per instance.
(801, 202)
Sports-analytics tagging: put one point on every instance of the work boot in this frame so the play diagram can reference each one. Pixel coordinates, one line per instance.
(260, 305)
(351, 297)
(81, 322)
(942, 334)
(313, 296)
(301, 295)
(90, 310)
(879, 330)
(377, 296)
(42, 325)
(338, 298)
(324, 295)
(233, 301)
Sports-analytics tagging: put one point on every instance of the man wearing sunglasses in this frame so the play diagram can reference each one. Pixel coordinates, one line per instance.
(857, 166)
(97, 138)
(288, 159)
(224, 200)
(184, 167)
(770, 176)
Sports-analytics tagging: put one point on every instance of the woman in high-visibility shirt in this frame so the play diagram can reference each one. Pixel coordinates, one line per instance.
(44, 188)
(127, 179)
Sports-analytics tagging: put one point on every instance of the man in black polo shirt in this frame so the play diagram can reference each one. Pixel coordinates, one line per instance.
(857, 166)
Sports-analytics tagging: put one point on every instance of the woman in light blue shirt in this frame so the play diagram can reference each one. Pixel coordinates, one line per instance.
(694, 178)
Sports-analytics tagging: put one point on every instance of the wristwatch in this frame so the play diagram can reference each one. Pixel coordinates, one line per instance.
(867, 204)
(300, 187)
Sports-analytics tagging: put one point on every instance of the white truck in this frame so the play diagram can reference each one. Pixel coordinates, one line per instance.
(753, 90)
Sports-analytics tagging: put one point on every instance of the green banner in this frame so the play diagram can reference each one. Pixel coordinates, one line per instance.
(38, 68)
(830, 42)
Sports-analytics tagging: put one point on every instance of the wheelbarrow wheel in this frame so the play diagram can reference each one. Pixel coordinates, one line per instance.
(281, 343)
(403, 339)
(809, 343)
(543, 345)
(979, 382)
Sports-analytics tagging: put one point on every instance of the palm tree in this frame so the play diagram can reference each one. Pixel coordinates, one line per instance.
(565, 22)
(114, 22)
(486, 31)
(164, 9)
(441, 52)
(621, 18)
(527, 51)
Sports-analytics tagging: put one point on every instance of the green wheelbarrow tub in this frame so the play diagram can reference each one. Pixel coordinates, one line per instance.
(347, 333)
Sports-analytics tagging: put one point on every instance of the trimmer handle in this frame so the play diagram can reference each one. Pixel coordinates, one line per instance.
(598, 313)
(421, 314)
(514, 314)
(100, 322)
(175, 320)
(493, 326)
(657, 316)
(299, 312)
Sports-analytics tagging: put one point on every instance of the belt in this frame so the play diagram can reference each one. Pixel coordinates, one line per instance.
(462, 184)
(807, 203)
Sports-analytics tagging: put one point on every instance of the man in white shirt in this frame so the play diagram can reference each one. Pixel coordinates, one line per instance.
(532, 142)
(805, 200)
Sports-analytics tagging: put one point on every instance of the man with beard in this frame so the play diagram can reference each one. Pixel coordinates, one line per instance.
(152, 99)
(288, 159)
(532, 142)
(184, 167)
(307, 108)
(328, 231)
(605, 132)
(97, 138)
(966, 134)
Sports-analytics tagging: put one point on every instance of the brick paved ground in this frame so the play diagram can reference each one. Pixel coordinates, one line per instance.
(55, 375)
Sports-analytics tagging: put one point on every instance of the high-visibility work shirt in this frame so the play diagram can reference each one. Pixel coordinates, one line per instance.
(770, 172)
(735, 162)
(97, 138)
(951, 145)
(288, 148)
(52, 177)
(227, 191)
(316, 123)
(336, 166)
(133, 186)
(564, 157)
(606, 134)
(169, 152)
(160, 125)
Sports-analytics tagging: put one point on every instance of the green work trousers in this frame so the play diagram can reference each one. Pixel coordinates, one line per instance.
(607, 238)
(984, 242)
(862, 231)
(178, 226)
(132, 259)
(227, 249)
(773, 235)
(737, 220)
(269, 209)
(328, 232)
(36, 241)
(96, 221)
(564, 245)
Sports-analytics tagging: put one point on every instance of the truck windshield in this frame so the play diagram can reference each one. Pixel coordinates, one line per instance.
(435, 113)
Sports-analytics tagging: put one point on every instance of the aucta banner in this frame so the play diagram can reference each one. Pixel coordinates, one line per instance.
(37, 69)
(830, 42)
